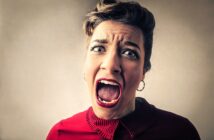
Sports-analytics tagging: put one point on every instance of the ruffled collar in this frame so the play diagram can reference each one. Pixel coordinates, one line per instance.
(105, 128)
(135, 123)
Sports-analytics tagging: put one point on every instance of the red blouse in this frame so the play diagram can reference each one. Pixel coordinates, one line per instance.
(145, 123)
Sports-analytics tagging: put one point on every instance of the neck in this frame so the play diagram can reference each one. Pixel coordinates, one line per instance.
(113, 113)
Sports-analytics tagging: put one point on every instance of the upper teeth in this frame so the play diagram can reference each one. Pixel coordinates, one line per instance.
(108, 82)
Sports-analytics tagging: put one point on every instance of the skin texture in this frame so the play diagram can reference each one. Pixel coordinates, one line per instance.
(112, 55)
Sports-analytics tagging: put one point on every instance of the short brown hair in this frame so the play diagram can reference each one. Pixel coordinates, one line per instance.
(131, 13)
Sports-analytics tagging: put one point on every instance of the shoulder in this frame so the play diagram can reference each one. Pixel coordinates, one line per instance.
(169, 124)
(177, 126)
(77, 121)
(75, 124)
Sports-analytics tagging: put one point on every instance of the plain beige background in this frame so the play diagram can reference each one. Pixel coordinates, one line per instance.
(42, 56)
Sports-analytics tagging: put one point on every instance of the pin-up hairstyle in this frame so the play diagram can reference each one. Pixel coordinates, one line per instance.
(130, 13)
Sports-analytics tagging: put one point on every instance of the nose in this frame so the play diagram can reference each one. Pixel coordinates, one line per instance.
(111, 63)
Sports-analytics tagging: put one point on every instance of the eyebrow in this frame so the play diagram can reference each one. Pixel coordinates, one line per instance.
(103, 41)
(129, 43)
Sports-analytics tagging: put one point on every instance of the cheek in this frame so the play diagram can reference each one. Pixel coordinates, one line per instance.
(90, 68)
(133, 75)
(133, 79)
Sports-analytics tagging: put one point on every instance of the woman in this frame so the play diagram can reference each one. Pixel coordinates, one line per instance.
(118, 57)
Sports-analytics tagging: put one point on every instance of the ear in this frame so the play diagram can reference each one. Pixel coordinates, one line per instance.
(143, 75)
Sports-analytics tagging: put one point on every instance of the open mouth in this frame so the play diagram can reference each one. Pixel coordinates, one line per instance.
(108, 92)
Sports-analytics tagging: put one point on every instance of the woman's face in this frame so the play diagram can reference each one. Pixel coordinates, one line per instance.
(113, 68)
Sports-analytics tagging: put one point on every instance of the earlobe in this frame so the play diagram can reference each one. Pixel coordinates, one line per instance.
(142, 78)
(143, 75)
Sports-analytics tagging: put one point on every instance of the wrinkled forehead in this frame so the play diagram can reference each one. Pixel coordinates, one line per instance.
(112, 30)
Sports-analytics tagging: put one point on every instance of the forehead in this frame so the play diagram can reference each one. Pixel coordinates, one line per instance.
(115, 30)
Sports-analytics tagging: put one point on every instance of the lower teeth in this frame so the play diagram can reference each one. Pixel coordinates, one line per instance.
(103, 100)
(106, 102)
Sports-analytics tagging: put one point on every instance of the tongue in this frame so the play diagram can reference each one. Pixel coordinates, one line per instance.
(108, 93)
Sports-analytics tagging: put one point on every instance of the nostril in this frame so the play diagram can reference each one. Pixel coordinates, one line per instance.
(111, 68)
(111, 63)
(117, 70)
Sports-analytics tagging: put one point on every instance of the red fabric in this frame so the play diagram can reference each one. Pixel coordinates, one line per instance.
(145, 123)
(74, 128)
(105, 128)
(84, 125)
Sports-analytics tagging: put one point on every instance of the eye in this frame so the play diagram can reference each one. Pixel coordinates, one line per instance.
(98, 49)
(131, 54)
